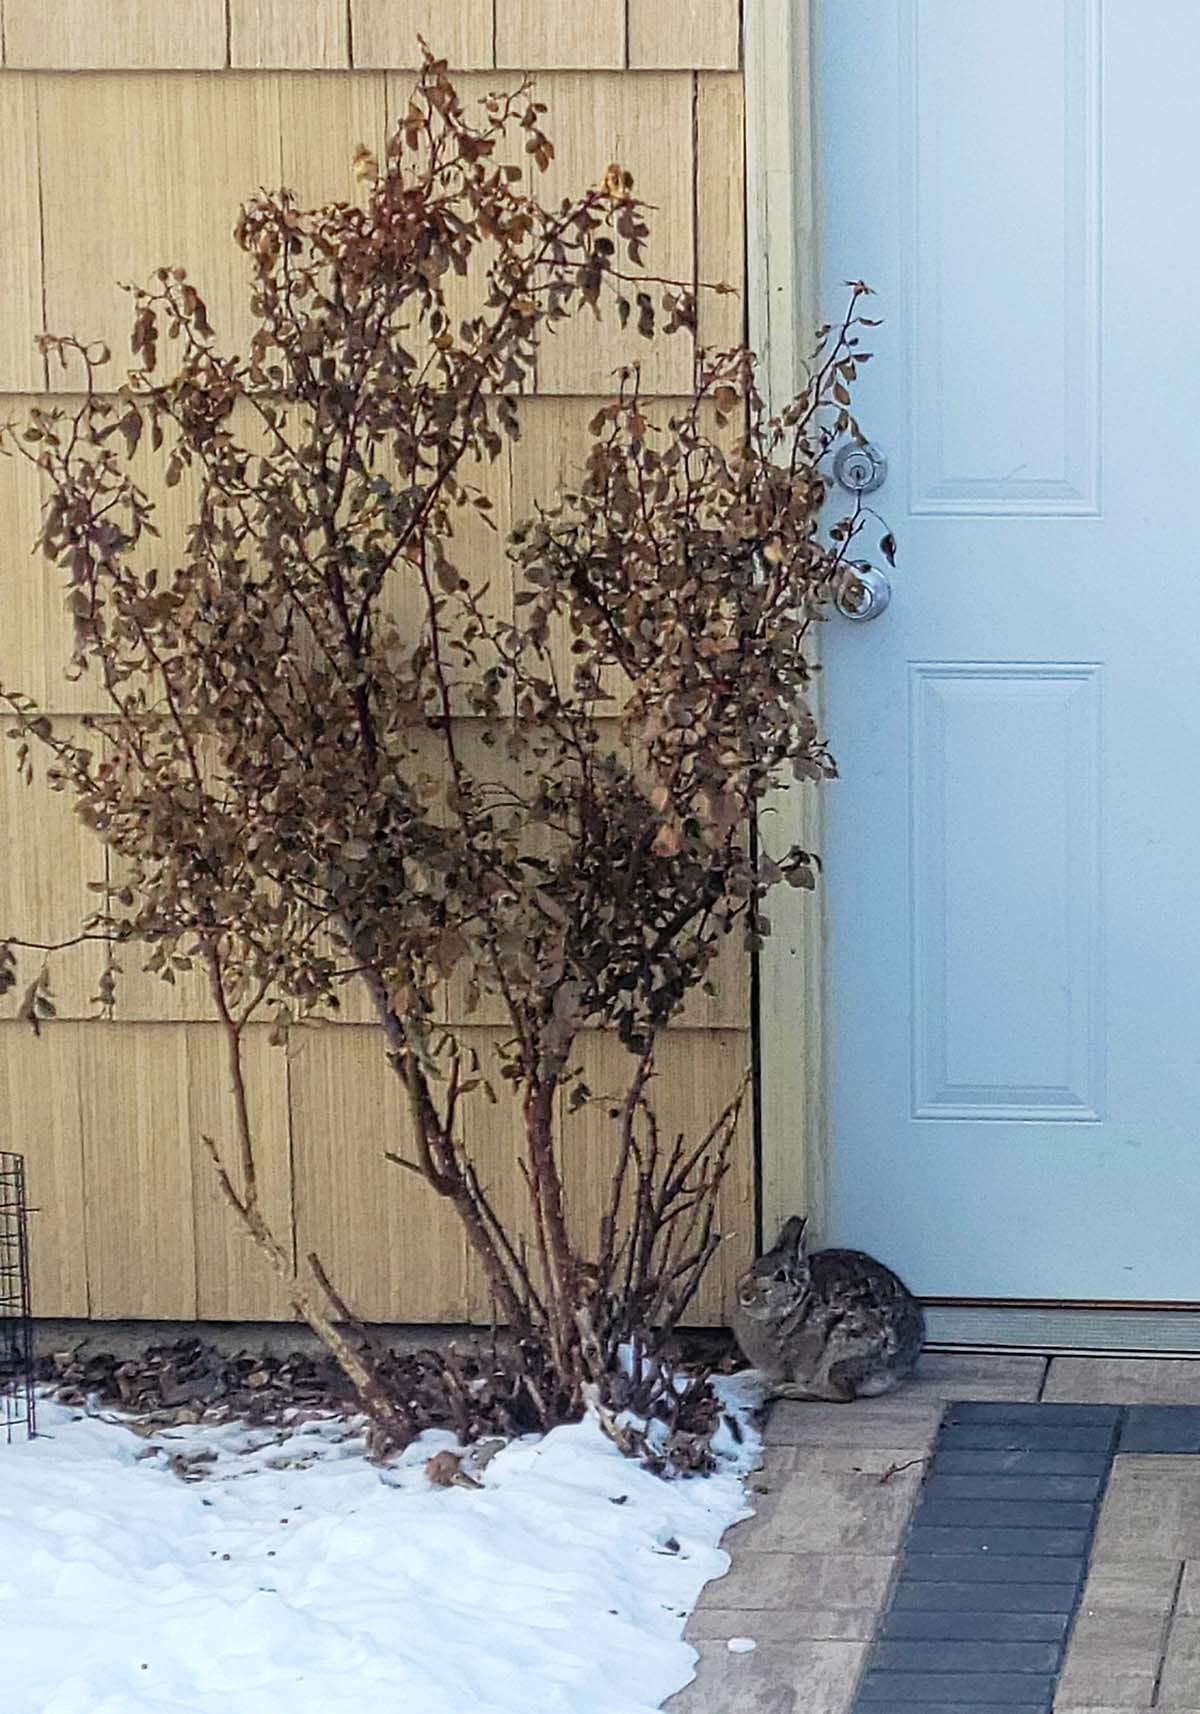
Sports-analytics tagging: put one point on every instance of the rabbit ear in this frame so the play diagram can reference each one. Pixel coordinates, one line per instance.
(791, 1239)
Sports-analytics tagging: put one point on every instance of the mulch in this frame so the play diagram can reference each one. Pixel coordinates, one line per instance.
(474, 1390)
(188, 1380)
(191, 1381)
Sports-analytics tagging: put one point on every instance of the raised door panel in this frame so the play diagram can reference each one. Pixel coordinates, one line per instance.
(1001, 193)
(1007, 1010)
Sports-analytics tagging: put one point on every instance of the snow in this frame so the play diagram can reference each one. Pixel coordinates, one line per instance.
(272, 1575)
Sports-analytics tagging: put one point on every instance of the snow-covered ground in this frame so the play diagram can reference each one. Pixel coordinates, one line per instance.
(296, 1578)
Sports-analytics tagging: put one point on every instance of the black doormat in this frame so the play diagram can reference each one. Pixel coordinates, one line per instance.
(997, 1549)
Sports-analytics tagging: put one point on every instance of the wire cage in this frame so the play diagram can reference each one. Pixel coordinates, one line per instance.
(16, 1323)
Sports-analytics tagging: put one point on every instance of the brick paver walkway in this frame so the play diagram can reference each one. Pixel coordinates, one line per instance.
(837, 1541)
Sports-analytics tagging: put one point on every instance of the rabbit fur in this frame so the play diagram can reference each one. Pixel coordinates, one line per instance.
(834, 1324)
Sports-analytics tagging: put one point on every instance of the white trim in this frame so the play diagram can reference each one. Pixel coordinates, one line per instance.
(779, 191)
(781, 292)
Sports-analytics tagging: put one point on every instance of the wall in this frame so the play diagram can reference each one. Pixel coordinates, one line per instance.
(130, 130)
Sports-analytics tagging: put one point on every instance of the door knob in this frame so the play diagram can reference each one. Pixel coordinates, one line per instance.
(868, 597)
(859, 469)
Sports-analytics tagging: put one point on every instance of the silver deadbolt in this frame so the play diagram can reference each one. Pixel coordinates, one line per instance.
(859, 469)
(871, 593)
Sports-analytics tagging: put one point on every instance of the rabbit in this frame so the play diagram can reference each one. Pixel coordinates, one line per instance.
(834, 1325)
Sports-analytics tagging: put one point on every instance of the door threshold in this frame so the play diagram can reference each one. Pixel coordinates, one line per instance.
(1064, 1329)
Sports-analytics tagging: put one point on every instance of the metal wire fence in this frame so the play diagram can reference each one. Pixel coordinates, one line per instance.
(16, 1324)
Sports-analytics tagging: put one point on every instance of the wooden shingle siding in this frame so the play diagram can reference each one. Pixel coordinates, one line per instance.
(528, 35)
(115, 35)
(645, 124)
(699, 35)
(189, 108)
(414, 1267)
(21, 317)
(137, 1151)
(389, 32)
(721, 208)
(232, 1281)
(298, 34)
(35, 630)
(141, 171)
(321, 120)
(50, 861)
(698, 1074)
(567, 35)
(44, 1118)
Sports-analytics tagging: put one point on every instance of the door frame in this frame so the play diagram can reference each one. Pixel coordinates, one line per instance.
(790, 1009)
(782, 313)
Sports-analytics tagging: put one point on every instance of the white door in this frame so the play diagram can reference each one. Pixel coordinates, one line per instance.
(1013, 862)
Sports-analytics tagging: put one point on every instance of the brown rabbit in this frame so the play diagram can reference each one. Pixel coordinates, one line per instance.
(835, 1325)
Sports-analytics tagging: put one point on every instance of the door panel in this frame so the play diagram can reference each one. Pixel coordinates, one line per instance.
(999, 193)
(1007, 1015)
(1012, 880)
